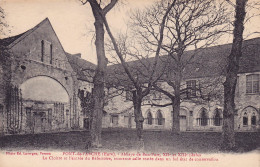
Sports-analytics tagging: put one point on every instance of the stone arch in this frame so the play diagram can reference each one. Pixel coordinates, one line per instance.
(219, 110)
(202, 117)
(200, 111)
(65, 78)
(249, 116)
(251, 108)
(161, 111)
(146, 112)
(183, 111)
(44, 88)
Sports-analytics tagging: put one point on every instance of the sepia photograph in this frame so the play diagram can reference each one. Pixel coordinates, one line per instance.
(129, 83)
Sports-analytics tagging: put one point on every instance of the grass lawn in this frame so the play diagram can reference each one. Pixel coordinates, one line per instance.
(126, 140)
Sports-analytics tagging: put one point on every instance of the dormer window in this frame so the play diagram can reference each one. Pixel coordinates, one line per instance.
(156, 95)
(128, 95)
(252, 84)
(191, 88)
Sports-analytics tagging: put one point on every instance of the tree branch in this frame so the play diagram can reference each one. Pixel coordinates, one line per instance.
(109, 6)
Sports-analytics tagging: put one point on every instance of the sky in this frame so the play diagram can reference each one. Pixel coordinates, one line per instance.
(74, 22)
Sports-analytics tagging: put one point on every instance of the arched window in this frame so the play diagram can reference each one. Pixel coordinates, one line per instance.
(149, 118)
(160, 118)
(253, 120)
(245, 119)
(217, 118)
(204, 118)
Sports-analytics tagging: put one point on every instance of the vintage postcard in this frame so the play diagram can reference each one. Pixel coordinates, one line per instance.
(129, 83)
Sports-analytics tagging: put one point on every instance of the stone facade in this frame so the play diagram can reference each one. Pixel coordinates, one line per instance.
(197, 113)
(121, 111)
(39, 68)
(247, 103)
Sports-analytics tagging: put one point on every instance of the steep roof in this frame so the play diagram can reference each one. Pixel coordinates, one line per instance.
(212, 61)
(80, 66)
(83, 68)
(207, 62)
(11, 41)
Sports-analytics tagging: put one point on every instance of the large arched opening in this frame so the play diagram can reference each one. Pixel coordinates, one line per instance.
(43, 88)
(46, 103)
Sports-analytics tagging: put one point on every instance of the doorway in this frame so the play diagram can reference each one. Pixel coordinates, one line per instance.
(183, 124)
(87, 123)
(39, 122)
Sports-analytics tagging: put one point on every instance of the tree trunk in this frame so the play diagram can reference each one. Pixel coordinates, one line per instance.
(177, 102)
(98, 90)
(176, 112)
(139, 119)
(228, 142)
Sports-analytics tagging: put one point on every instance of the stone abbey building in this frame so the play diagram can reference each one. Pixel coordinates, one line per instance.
(202, 105)
(39, 87)
(43, 89)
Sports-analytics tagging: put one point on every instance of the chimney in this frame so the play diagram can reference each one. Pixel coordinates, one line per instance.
(78, 55)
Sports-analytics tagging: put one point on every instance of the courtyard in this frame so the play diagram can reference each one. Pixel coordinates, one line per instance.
(126, 140)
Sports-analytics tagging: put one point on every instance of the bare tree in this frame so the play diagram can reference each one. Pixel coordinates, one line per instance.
(3, 23)
(99, 13)
(139, 87)
(231, 76)
(190, 25)
(5, 57)
(3, 26)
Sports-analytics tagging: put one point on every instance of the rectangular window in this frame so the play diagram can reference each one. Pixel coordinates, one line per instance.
(191, 88)
(1, 108)
(42, 53)
(253, 120)
(252, 84)
(50, 53)
(237, 85)
(62, 113)
(49, 115)
(114, 119)
(245, 121)
(46, 51)
(126, 119)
